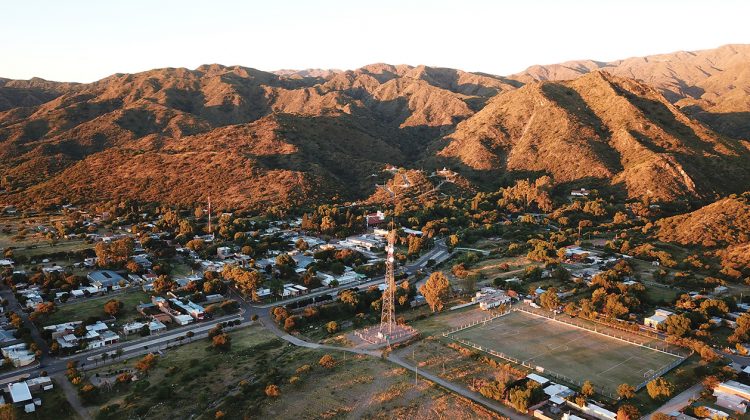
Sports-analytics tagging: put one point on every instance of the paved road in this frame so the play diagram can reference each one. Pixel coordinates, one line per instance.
(679, 402)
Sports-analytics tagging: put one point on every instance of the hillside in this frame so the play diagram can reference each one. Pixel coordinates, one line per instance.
(713, 85)
(254, 139)
(725, 222)
(600, 127)
(275, 139)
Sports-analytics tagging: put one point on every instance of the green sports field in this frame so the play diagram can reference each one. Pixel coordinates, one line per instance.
(566, 350)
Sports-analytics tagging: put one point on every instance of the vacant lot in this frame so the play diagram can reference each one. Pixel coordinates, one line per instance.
(194, 381)
(575, 353)
(79, 311)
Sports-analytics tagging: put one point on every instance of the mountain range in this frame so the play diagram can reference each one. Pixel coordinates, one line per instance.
(667, 127)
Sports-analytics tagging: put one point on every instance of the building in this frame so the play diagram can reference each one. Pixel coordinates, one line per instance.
(658, 318)
(133, 327)
(19, 354)
(224, 252)
(20, 394)
(374, 219)
(43, 383)
(733, 402)
(367, 242)
(583, 192)
(104, 279)
(733, 388)
(156, 327)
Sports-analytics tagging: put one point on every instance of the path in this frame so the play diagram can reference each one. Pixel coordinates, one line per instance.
(72, 395)
(679, 402)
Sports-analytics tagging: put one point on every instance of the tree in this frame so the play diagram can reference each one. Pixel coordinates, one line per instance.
(659, 389)
(678, 325)
(327, 361)
(301, 245)
(113, 307)
(549, 299)
(625, 391)
(628, 412)
(350, 298)
(520, 399)
(332, 327)
(146, 363)
(221, 342)
(273, 391)
(289, 324)
(163, 284)
(587, 389)
(436, 290)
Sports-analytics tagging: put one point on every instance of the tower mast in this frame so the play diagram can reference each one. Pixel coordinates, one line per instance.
(388, 315)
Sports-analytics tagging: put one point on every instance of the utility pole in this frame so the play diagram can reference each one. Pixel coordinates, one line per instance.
(209, 214)
(416, 366)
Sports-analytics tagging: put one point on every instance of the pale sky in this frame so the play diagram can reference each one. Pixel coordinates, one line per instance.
(82, 41)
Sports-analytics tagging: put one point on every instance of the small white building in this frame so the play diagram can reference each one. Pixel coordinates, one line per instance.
(658, 318)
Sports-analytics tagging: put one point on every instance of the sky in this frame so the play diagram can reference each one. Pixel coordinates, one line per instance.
(83, 41)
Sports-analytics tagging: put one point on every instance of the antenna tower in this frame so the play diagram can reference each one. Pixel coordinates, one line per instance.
(388, 316)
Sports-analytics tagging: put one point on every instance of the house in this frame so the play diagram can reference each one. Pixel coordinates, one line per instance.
(104, 279)
(224, 252)
(720, 290)
(133, 327)
(583, 192)
(193, 309)
(156, 327)
(6, 263)
(658, 318)
(60, 330)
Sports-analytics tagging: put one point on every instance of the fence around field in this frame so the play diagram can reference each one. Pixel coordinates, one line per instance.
(608, 332)
(577, 382)
(494, 315)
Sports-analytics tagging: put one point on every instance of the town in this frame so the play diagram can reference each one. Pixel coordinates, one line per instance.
(556, 314)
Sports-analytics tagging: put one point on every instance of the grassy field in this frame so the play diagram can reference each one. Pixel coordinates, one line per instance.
(79, 311)
(576, 353)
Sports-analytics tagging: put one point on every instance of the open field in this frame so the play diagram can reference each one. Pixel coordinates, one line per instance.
(566, 350)
(193, 381)
(79, 311)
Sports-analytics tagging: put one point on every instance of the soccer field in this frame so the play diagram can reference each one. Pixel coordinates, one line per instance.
(566, 350)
